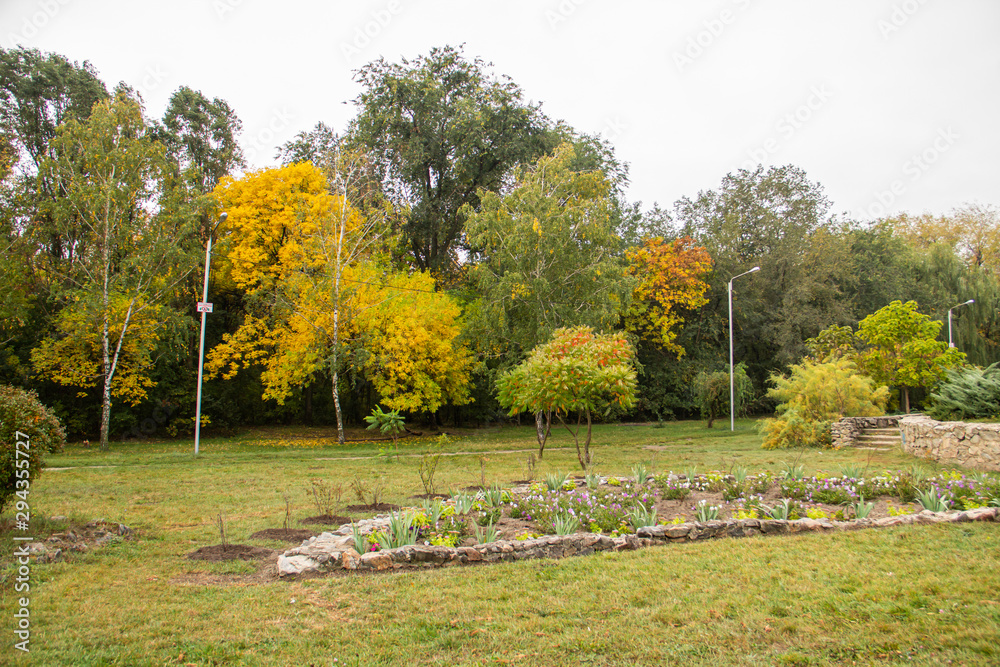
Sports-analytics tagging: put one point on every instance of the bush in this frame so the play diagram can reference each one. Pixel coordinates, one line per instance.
(967, 393)
(814, 396)
(20, 411)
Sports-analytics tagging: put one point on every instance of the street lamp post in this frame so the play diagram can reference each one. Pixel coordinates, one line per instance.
(205, 308)
(732, 382)
(966, 303)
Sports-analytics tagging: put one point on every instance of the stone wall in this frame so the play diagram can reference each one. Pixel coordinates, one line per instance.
(846, 431)
(966, 444)
(332, 551)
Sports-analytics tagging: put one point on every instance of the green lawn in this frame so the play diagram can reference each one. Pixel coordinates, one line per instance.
(916, 595)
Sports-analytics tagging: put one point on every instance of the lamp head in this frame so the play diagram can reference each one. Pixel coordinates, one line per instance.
(969, 301)
(756, 268)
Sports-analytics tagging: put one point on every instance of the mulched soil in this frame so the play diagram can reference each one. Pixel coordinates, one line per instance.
(284, 534)
(428, 496)
(327, 520)
(220, 552)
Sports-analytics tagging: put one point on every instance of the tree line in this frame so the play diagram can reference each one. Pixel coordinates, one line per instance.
(413, 259)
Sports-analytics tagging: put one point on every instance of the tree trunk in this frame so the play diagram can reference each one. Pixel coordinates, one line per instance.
(906, 399)
(586, 444)
(543, 426)
(336, 408)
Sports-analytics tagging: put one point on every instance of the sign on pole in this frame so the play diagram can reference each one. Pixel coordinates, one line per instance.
(204, 307)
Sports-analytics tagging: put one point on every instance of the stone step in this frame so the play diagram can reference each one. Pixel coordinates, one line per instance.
(880, 431)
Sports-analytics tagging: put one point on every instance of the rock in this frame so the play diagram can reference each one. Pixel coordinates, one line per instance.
(295, 565)
(376, 560)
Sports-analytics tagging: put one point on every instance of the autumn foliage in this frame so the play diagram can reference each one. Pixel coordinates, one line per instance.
(671, 280)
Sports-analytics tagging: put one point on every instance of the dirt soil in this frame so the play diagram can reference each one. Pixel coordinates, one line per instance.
(327, 520)
(223, 552)
(283, 534)
(380, 507)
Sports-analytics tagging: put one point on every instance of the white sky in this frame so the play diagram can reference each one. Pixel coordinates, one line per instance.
(892, 105)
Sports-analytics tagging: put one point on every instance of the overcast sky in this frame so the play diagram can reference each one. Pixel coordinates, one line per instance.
(892, 105)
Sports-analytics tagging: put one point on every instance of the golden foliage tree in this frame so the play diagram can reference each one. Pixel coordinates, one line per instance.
(671, 280)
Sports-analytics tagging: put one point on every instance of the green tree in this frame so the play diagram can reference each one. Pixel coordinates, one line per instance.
(967, 393)
(122, 259)
(712, 391)
(442, 130)
(28, 430)
(577, 371)
(903, 350)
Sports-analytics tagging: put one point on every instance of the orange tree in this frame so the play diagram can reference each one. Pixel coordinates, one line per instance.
(577, 371)
(671, 280)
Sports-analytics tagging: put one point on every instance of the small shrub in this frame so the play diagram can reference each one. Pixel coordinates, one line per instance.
(21, 412)
(554, 481)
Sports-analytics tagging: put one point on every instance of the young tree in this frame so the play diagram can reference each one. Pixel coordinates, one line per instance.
(121, 258)
(903, 349)
(577, 371)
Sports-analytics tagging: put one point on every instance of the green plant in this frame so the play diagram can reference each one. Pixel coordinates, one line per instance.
(816, 513)
(792, 471)
(706, 512)
(614, 481)
(221, 525)
(640, 473)
(399, 533)
(995, 501)
(288, 511)
(852, 471)
(486, 534)
(593, 481)
(433, 510)
(640, 517)
(493, 495)
(691, 474)
(554, 481)
(28, 430)
(565, 524)
(740, 474)
(387, 423)
(862, 509)
(930, 500)
(490, 516)
(967, 393)
(463, 502)
(360, 541)
(782, 510)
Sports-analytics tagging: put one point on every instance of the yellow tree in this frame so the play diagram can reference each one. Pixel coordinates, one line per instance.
(121, 256)
(318, 287)
(671, 280)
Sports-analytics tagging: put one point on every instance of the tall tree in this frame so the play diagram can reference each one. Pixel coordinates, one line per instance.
(442, 130)
(121, 258)
(323, 299)
(775, 218)
(903, 350)
(547, 256)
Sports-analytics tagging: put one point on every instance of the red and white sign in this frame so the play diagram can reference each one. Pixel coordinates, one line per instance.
(204, 307)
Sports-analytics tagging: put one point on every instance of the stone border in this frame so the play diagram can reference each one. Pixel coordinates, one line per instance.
(973, 445)
(331, 552)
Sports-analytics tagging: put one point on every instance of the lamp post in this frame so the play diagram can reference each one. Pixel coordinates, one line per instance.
(204, 307)
(966, 303)
(732, 383)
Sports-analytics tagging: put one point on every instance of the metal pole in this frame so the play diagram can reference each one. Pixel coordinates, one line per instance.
(966, 303)
(201, 346)
(732, 383)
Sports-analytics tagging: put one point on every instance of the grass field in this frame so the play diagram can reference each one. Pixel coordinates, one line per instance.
(920, 595)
